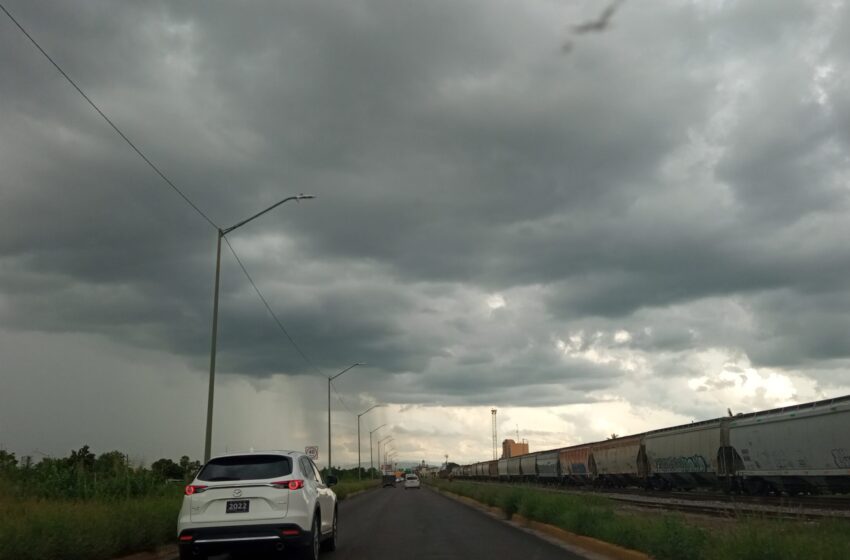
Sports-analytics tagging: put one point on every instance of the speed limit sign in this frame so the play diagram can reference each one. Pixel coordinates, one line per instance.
(312, 452)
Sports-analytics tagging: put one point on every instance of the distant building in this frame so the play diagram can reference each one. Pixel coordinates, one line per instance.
(510, 448)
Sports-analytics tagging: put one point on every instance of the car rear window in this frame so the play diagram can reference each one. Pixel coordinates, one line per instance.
(411, 477)
(246, 467)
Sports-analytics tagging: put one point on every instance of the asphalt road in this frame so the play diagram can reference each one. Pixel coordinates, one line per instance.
(392, 523)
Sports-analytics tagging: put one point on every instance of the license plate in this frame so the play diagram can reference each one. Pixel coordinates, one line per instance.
(237, 506)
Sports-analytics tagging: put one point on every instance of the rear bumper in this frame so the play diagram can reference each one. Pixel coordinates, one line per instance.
(211, 540)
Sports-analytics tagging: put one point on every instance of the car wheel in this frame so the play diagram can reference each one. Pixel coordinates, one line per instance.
(329, 544)
(311, 550)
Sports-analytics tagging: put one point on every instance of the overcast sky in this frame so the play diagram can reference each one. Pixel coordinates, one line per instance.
(607, 231)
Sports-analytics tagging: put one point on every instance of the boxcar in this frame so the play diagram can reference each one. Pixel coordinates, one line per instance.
(528, 464)
(793, 448)
(514, 468)
(614, 462)
(548, 467)
(503, 468)
(575, 464)
(686, 456)
(493, 469)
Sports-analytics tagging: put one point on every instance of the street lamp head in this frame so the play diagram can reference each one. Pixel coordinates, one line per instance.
(354, 365)
(374, 406)
(303, 196)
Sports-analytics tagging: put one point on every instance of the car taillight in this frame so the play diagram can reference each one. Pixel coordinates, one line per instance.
(185, 538)
(290, 484)
(290, 532)
(195, 489)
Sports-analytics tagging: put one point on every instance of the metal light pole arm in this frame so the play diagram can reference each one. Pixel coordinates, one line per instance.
(272, 207)
(346, 369)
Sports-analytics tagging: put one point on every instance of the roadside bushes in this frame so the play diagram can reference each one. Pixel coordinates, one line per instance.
(87, 507)
(347, 487)
(665, 536)
(33, 529)
(96, 529)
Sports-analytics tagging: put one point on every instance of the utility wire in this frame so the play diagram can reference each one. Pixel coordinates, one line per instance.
(271, 312)
(340, 399)
(171, 184)
(282, 328)
(107, 119)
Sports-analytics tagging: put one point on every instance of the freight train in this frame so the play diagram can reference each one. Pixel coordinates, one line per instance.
(800, 448)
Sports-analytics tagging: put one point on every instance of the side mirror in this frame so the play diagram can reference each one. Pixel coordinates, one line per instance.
(332, 480)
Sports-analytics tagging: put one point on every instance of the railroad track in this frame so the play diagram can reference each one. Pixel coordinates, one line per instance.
(715, 504)
(718, 507)
(831, 503)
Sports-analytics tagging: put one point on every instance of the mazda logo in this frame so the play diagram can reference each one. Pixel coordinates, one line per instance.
(237, 493)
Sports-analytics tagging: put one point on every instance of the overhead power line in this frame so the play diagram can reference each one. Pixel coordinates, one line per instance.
(135, 148)
(170, 183)
(341, 401)
(271, 312)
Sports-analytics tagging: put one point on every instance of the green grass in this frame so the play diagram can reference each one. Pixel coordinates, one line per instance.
(347, 487)
(33, 528)
(90, 530)
(766, 540)
(665, 536)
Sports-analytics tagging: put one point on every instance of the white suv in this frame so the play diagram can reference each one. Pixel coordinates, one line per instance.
(411, 481)
(265, 500)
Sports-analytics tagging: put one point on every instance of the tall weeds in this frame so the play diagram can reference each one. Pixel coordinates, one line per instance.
(665, 536)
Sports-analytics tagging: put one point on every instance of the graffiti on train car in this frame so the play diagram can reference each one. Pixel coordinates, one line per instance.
(693, 463)
(759, 452)
(841, 458)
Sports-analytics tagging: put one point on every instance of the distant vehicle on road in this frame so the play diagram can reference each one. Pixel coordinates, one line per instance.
(388, 480)
(272, 500)
(411, 481)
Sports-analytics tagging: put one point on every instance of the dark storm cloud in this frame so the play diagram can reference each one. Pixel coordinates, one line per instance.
(682, 159)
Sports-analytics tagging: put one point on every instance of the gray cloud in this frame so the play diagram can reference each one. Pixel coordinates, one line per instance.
(483, 196)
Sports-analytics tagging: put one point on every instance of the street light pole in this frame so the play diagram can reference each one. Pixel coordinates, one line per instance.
(358, 436)
(208, 433)
(330, 463)
(210, 392)
(387, 439)
(371, 460)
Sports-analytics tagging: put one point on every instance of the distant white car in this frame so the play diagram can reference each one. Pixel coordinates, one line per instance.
(411, 481)
(272, 500)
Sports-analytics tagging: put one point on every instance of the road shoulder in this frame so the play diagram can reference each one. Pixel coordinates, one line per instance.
(586, 547)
